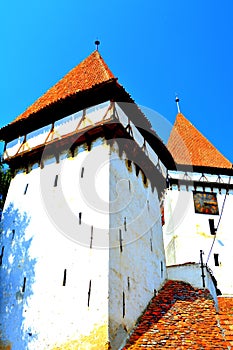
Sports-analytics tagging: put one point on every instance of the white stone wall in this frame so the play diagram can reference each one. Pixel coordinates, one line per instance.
(89, 254)
(137, 262)
(53, 314)
(191, 273)
(187, 232)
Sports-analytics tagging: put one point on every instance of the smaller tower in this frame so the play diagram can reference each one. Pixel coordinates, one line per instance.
(198, 203)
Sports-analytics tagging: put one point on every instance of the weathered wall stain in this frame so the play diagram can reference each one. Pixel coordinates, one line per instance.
(96, 340)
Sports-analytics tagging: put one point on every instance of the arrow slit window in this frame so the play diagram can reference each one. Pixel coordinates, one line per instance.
(205, 203)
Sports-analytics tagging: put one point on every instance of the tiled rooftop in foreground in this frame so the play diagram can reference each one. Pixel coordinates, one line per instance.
(183, 317)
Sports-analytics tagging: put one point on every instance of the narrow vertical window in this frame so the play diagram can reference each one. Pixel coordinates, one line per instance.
(125, 224)
(120, 240)
(55, 181)
(151, 244)
(123, 304)
(128, 283)
(212, 228)
(82, 172)
(24, 285)
(1, 256)
(80, 218)
(91, 240)
(64, 278)
(26, 188)
(216, 260)
(161, 268)
(89, 294)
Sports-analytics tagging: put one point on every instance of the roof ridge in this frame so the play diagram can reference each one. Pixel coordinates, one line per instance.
(105, 66)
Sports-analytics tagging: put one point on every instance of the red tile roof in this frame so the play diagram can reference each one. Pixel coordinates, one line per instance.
(189, 147)
(226, 317)
(90, 72)
(91, 82)
(179, 317)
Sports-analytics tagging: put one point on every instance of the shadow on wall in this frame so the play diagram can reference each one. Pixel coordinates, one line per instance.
(16, 279)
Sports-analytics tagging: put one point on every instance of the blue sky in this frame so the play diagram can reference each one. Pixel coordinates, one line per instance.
(156, 49)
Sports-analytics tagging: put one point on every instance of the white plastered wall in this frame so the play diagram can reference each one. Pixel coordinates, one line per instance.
(137, 269)
(191, 273)
(110, 197)
(187, 232)
(56, 314)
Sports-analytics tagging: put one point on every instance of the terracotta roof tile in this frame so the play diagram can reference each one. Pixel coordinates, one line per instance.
(90, 72)
(189, 147)
(179, 317)
(91, 82)
(226, 318)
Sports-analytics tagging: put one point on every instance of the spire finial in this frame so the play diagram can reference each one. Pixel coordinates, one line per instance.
(97, 43)
(177, 103)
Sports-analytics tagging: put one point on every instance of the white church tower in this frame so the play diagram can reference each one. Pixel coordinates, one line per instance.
(81, 237)
(198, 205)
